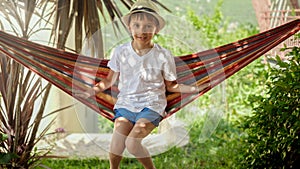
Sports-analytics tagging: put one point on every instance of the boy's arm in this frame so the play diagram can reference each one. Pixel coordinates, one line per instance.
(106, 82)
(173, 86)
(101, 86)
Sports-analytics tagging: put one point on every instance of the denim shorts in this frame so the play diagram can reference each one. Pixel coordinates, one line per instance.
(133, 117)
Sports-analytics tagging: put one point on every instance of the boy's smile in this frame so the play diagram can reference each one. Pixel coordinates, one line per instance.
(141, 37)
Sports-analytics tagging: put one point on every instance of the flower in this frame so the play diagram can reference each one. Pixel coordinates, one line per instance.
(60, 130)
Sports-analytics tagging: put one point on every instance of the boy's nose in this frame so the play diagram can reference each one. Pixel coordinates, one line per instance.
(143, 29)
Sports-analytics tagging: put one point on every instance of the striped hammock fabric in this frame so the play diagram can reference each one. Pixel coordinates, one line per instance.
(69, 71)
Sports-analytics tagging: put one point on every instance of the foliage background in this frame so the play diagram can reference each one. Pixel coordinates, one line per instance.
(272, 131)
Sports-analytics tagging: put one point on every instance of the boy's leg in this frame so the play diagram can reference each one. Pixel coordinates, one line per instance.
(122, 128)
(141, 129)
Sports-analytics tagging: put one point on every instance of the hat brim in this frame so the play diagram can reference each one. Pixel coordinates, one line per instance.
(161, 21)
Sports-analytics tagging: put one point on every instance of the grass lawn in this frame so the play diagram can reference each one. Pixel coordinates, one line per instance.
(212, 154)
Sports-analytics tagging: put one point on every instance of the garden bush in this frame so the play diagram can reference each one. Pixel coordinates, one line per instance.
(273, 130)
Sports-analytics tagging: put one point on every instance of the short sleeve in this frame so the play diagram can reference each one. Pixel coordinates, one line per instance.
(114, 63)
(169, 68)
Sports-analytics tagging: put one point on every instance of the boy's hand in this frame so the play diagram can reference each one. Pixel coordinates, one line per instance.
(204, 85)
(201, 87)
(84, 94)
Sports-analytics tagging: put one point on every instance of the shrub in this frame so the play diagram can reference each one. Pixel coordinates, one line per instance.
(273, 130)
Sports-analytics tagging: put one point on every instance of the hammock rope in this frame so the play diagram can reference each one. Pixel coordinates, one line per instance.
(69, 71)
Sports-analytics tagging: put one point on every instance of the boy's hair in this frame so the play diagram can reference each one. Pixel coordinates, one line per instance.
(142, 16)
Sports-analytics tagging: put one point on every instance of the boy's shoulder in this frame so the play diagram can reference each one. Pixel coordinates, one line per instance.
(123, 46)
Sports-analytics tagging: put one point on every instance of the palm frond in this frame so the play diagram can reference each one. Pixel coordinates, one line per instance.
(162, 5)
(58, 110)
(100, 7)
(29, 10)
(79, 21)
(39, 115)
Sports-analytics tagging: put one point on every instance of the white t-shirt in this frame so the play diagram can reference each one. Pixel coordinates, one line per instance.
(141, 81)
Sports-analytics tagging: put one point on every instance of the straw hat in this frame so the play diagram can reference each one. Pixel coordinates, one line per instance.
(146, 6)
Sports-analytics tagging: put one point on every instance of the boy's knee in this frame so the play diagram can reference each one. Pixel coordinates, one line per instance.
(117, 147)
(133, 145)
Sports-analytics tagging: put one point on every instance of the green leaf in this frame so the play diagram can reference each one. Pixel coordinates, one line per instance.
(5, 158)
(3, 137)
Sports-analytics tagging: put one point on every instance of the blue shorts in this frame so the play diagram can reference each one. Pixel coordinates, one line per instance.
(133, 117)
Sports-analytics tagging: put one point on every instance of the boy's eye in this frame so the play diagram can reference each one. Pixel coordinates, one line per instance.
(136, 25)
(149, 26)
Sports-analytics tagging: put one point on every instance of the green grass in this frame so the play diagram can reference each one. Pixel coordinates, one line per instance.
(214, 153)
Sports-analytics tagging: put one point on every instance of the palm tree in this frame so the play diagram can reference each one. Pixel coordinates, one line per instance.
(20, 90)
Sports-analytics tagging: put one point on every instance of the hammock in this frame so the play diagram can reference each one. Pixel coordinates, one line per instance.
(69, 71)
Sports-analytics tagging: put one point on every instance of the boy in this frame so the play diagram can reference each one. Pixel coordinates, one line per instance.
(145, 71)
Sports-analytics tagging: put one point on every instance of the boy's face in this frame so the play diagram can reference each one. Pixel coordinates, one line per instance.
(143, 27)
